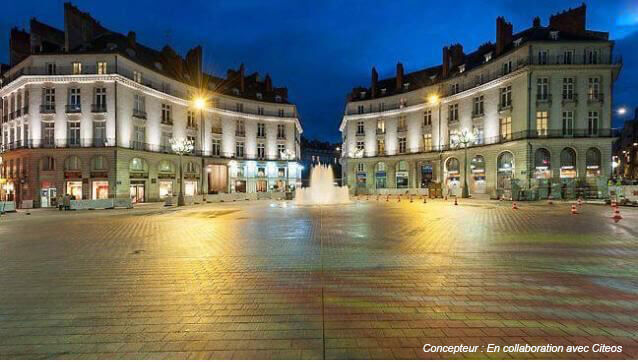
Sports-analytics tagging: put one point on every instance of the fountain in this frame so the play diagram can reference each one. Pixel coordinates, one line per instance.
(322, 190)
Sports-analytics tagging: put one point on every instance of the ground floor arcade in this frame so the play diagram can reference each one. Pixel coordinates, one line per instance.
(531, 169)
(39, 176)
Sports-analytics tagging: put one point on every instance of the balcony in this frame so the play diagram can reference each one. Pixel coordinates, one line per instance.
(402, 129)
(73, 108)
(240, 133)
(543, 98)
(281, 136)
(477, 114)
(137, 113)
(261, 135)
(216, 130)
(595, 98)
(502, 107)
(47, 108)
(167, 121)
(380, 131)
(360, 134)
(570, 97)
(98, 108)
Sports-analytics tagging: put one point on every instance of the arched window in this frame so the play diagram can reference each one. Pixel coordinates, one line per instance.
(47, 164)
(505, 162)
(593, 162)
(138, 165)
(505, 170)
(542, 164)
(72, 163)
(380, 176)
(567, 163)
(478, 164)
(361, 174)
(402, 175)
(380, 166)
(452, 165)
(166, 166)
(99, 163)
(190, 168)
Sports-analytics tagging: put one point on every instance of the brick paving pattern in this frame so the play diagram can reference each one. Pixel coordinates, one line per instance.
(270, 280)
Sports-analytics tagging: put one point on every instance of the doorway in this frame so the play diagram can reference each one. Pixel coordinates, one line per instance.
(137, 191)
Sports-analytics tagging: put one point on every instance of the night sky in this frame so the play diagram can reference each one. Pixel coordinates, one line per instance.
(321, 49)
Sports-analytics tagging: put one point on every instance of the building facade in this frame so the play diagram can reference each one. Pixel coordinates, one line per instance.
(91, 113)
(626, 150)
(535, 107)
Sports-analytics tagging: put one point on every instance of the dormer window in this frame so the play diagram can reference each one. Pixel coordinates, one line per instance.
(518, 42)
(433, 76)
(362, 95)
(260, 96)
(406, 85)
(461, 68)
(236, 91)
(553, 34)
(158, 65)
(277, 98)
(383, 90)
(488, 57)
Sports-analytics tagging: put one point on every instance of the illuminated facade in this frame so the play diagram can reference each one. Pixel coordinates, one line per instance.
(538, 104)
(89, 112)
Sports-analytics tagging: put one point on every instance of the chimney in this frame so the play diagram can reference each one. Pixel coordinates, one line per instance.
(399, 79)
(536, 22)
(132, 39)
(268, 83)
(570, 21)
(503, 34)
(445, 71)
(457, 57)
(242, 85)
(373, 83)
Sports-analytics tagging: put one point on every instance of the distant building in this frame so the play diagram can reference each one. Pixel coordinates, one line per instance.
(315, 152)
(626, 149)
(90, 112)
(537, 103)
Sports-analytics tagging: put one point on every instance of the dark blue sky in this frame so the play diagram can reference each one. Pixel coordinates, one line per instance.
(321, 49)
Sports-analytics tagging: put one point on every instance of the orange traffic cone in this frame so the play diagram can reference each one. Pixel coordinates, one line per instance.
(455, 201)
(425, 200)
(616, 215)
(574, 210)
(514, 206)
(580, 202)
(614, 204)
(411, 198)
(399, 198)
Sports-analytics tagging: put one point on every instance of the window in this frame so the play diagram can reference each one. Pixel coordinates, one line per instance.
(98, 163)
(568, 123)
(49, 99)
(592, 162)
(190, 120)
(74, 99)
(542, 89)
(50, 68)
(506, 128)
(592, 123)
(240, 128)
(506, 96)
(402, 126)
(427, 142)
(568, 57)
(477, 106)
(567, 163)
(380, 126)
(542, 57)
(166, 114)
(76, 68)
(453, 113)
(99, 133)
(541, 123)
(260, 111)
(360, 109)
(239, 149)
(101, 67)
(381, 107)
(427, 117)
(479, 134)
(261, 130)
(568, 88)
(593, 89)
(73, 133)
(216, 147)
(360, 128)
(139, 103)
(48, 133)
(239, 107)
(48, 164)
(281, 131)
(592, 56)
(165, 141)
(259, 96)
(193, 142)
(402, 145)
(261, 151)
(507, 67)
(100, 98)
(281, 148)
(280, 112)
(139, 137)
(360, 145)
(380, 146)
(454, 88)
(137, 76)
(361, 167)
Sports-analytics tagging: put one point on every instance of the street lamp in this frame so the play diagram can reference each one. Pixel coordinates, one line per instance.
(199, 103)
(464, 139)
(181, 146)
(287, 155)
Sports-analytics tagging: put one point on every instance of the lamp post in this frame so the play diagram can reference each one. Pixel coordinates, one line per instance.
(464, 139)
(181, 146)
(200, 104)
(287, 155)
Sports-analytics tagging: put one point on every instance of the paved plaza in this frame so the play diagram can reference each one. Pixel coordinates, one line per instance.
(268, 280)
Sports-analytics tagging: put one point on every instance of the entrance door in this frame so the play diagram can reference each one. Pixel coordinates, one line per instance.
(137, 193)
(426, 176)
(48, 197)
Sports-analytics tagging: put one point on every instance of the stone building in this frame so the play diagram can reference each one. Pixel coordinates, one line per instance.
(90, 112)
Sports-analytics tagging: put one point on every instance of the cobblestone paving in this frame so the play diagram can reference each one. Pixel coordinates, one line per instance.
(270, 280)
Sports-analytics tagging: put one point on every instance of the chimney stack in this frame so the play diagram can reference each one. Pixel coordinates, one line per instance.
(373, 83)
(242, 85)
(537, 22)
(570, 21)
(399, 79)
(504, 32)
(445, 65)
(457, 57)
(132, 39)
(268, 83)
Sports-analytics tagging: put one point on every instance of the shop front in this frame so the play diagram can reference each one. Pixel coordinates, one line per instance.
(505, 173)
(217, 178)
(593, 163)
(568, 170)
(48, 194)
(427, 175)
(477, 180)
(99, 190)
(380, 176)
(453, 176)
(402, 175)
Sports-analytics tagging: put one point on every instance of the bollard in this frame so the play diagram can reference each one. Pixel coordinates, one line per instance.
(574, 210)
(616, 215)
(455, 201)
